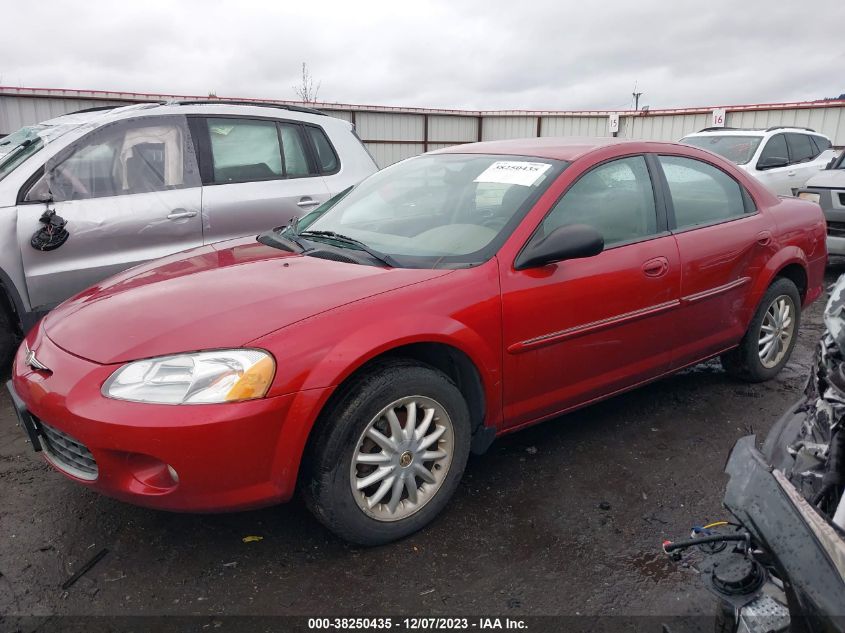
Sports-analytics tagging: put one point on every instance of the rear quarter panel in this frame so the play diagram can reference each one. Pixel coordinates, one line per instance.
(800, 238)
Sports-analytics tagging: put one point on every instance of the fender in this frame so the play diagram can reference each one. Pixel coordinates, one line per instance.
(368, 343)
(461, 309)
(357, 348)
(24, 317)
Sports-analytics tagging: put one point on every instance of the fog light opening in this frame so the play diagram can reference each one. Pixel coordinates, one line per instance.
(173, 474)
(152, 474)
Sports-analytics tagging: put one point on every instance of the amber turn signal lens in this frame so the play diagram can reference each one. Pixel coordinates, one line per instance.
(255, 381)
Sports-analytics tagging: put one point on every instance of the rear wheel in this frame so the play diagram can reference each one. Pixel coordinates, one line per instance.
(388, 454)
(768, 343)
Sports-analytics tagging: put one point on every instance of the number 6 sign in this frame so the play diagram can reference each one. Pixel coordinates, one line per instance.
(718, 118)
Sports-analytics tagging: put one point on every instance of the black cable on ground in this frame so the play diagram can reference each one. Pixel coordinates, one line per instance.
(669, 546)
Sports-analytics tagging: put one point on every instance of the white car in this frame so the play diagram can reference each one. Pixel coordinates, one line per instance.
(782, 158)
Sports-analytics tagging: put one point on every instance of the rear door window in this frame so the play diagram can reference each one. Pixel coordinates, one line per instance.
(244, 150)
(296, 161)
(250, 150)
(701, 194)
(775, 147)
(800, 148)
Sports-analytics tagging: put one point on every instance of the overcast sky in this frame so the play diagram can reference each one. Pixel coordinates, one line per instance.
(518, 54)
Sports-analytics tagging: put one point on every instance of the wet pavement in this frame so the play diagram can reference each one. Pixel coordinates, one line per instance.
(563, 518)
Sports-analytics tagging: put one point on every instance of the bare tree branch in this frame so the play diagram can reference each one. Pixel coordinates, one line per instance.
(306, 90)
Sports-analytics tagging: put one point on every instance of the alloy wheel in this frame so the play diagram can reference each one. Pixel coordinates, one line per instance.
(776, 331)
(402, 458)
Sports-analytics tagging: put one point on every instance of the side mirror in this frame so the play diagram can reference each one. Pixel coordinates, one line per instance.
(573, 241)
(830, 163)
(771, 162)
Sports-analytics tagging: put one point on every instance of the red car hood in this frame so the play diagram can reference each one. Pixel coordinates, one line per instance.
(215, 296)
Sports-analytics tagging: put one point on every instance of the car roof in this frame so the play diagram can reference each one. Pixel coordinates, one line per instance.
(106, 114)
(729, 132)
(749, 131)
(556, 148)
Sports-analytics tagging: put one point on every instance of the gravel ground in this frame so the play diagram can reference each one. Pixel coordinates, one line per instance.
(565, 518)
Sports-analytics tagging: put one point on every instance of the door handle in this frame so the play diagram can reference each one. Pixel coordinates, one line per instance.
(306, 202)
(764, 238)
(656, 267)
(178, 214)
(790, 173)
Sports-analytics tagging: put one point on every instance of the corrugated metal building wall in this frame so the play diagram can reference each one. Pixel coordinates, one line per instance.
(393, 133)
(15, 112)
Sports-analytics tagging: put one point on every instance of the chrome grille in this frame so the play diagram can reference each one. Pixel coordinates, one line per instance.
(67, 453)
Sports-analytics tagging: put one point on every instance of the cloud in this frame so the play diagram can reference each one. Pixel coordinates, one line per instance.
(490, 54)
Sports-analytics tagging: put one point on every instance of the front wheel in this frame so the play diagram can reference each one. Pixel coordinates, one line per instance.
(388, 454)
(768, 343)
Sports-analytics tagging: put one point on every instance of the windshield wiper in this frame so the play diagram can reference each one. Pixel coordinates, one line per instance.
(351, 241)
(17, 148)
(275, 239)
(291, 231)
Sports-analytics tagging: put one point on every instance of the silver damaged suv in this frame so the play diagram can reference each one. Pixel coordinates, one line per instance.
(827, 189)
(89, 194)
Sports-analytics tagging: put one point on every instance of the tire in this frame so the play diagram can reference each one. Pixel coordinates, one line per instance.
(745, 362)
(782, 435)
(331, 483)
(8, 341)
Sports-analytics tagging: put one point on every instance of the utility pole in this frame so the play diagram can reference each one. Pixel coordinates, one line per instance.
(636, 96)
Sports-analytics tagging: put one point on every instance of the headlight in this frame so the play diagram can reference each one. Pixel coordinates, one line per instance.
(809, 195)
(229, 375)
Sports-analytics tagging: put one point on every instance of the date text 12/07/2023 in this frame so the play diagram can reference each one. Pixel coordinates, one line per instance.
(416, 624)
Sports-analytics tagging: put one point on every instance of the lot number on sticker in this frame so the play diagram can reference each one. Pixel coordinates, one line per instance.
(513, 172)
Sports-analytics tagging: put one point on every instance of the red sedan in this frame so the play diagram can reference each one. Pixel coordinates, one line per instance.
(364, 352)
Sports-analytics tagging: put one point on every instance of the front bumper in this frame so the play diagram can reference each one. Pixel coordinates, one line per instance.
(832, 202)
(767, 505)
(835, 245)
(196, 458)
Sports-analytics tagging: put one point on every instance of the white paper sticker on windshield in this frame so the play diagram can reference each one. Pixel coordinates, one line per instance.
(513, 172)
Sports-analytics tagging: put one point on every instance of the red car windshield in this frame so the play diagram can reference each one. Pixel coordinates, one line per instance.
(440, 209)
